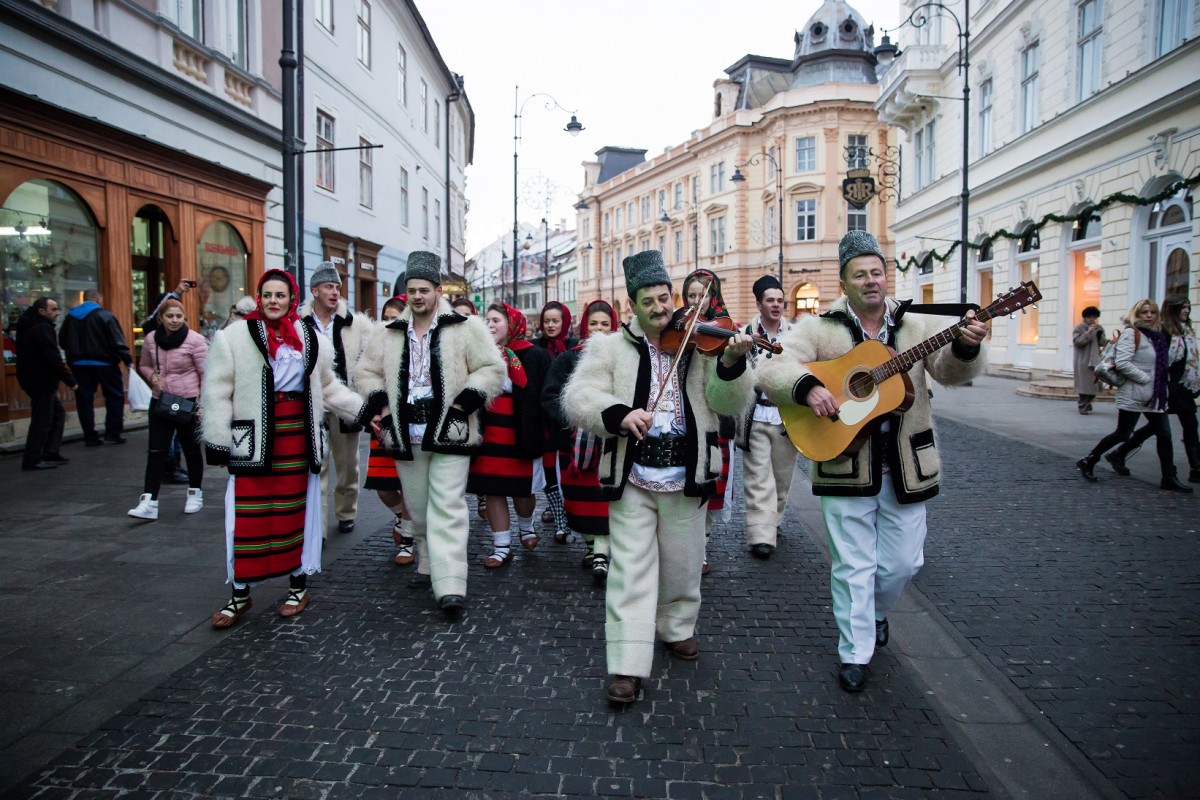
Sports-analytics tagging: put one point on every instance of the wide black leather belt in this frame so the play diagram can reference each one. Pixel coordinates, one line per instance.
(289, 395)
(663, 451)
(420, 411)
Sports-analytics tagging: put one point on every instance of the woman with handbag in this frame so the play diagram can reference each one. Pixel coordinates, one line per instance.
(1142, 360)
(1183, 386)
(172, 363)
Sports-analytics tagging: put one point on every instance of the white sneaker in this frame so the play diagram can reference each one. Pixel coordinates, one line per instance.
(146, 508)
(194, 502)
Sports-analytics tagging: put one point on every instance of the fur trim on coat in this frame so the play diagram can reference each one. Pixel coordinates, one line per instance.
(465, 367)
(909, 444)
(238, 398)
(350, 333)
(600, 393)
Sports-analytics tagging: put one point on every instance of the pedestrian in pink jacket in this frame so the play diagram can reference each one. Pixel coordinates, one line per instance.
(172, 361)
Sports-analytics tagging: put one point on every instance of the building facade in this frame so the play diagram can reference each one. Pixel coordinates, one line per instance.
(783, 134)
(139, 145)
(1081, 110)
(376, 85)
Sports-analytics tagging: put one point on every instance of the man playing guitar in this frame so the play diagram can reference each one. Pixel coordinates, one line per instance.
(873, 499)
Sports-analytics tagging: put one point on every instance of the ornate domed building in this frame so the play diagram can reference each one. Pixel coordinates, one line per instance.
(760, 189)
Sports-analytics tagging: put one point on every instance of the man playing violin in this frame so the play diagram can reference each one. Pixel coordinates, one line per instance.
(768, 457)
(873, 499)
(657, 413)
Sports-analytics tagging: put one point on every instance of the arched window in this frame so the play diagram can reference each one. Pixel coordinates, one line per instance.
(221, 255)
(1167, 241)
(49, 247)
(807, 299)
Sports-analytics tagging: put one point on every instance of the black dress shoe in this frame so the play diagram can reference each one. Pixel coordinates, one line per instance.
(1117, 462)
(762, 551)
(115, 439)
(345, 525)
(1194, 476)
(853, 677)
(881, 632)
(55, 458)
(453, 606)
(92, 442)
(39, 466)
(1173, 484)
(419, 581)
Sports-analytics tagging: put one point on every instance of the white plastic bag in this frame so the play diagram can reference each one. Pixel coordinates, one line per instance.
(139, 393)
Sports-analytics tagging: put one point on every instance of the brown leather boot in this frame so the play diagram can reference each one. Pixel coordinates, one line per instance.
(624, 689)
(687, 650)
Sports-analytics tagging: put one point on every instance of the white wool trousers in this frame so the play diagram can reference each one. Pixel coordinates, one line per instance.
(877, 547)
(767, 469)
(343, 455)
(435, 494)
(656, 543)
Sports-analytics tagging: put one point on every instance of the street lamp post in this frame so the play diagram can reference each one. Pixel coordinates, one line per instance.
(738, 177)
(919, 18)
(573, 127)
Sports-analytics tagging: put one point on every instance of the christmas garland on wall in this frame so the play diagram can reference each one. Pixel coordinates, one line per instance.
(1085, 213)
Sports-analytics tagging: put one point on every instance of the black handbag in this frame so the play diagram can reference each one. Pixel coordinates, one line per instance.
(179, 410)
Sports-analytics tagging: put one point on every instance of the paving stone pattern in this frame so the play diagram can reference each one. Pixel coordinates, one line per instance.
(1084, 595)
(370, 693)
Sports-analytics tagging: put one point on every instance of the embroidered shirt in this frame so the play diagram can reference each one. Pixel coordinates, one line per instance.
(324, 330)
(668, 418)
(420, 386)
(288, 367)
(768, 414)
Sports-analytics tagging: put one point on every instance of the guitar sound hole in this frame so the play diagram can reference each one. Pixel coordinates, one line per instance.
(860, 385)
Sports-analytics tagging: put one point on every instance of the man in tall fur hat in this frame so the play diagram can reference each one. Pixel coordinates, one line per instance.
(659, 465)
(873, 499)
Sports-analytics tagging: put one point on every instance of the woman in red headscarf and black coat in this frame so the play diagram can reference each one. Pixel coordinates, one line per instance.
(555, 327)
(578, 451)
(509, 462)
(269, 380)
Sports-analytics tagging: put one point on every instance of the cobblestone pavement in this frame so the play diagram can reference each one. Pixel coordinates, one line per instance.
(1084, 595)
(370, 693)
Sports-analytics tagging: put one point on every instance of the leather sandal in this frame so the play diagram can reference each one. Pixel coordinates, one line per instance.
(547, 516)
(295, 602)
(599, 569)
(231, 612)
(405, 556)
(529, 540)
(499, 557)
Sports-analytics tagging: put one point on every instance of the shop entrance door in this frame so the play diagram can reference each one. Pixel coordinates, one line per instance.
(147, 248)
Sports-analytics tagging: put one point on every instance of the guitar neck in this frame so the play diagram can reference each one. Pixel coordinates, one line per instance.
(903, 362)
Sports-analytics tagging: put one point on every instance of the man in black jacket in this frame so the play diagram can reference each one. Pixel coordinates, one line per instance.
(95, 348)
(39, 369)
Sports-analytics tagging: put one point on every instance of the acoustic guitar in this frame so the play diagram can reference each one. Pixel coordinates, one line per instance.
(872, 380)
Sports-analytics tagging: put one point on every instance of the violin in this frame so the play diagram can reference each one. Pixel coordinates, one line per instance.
(709, 338)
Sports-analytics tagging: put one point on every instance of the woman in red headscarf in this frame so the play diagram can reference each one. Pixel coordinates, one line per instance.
(720, 505)
(555, 327)
(268, 382)
(508, 463)
(578, 452)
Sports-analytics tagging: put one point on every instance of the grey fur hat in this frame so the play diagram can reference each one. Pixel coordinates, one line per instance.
(326, 272)
(424, 266)
(858, 243)
(644, 269)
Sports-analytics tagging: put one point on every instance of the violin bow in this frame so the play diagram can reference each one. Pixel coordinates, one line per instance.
(682, 348)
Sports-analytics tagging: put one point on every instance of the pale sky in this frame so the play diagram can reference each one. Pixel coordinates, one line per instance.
(639, 74)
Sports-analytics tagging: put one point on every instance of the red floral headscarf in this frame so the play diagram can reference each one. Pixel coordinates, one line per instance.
(592, 308)
(716, 305)
(558, 344)
(283, 330)
(515, 341)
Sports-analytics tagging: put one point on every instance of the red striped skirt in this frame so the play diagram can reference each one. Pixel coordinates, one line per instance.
(495, 468)
(587, 510)
(269, 510)
(717, 501)
(381, 469)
